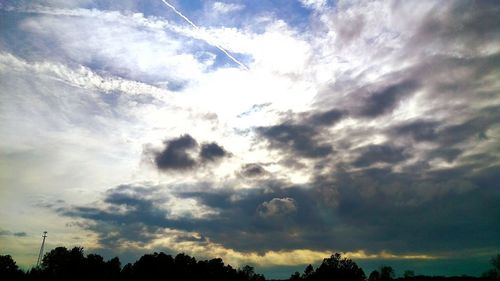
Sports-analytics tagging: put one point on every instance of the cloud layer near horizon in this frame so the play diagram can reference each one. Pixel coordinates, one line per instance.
(361, 126)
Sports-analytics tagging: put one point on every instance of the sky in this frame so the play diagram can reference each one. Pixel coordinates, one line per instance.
(267, 132)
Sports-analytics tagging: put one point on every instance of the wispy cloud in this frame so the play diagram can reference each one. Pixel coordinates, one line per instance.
(81, 77)
(224, 8)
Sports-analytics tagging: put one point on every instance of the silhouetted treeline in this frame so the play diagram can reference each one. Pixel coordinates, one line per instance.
(340, 268)
(63, 264)
(332, 268)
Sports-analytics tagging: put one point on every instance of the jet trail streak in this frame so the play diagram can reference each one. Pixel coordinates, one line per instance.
(197, 28)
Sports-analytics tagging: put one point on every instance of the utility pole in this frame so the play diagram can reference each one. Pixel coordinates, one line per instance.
(40, 255)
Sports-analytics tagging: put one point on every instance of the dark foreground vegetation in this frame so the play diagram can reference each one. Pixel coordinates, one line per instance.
(64, 264)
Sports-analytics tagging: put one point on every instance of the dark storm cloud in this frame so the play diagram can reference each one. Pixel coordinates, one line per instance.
(447, 154)
(386, 99)
(379, 154)
(184, 153)
(343, 211)
(129, 213)
(473, 129)
(326, 118)
(360, 208)
(302, 133)
(299, 139)
(306, 134)
(464, 22)
(375, 202)
(253, 170)
(175, 155)
(419, 130)
(475, 126)
(457, 204)
(212, 152)
(488, 177)
(10, 233)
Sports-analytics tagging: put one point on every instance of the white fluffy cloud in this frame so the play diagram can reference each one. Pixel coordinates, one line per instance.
(277, 207)
(224, 8)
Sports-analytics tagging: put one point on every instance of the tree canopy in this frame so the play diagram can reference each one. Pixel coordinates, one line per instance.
(72, 264)
(335, 267)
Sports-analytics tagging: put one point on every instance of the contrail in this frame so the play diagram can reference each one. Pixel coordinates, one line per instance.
(197, 28)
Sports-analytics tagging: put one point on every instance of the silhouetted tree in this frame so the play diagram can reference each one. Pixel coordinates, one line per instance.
(333, 268)
(154, 267)
(127, 272)
(249, 274)
(160, 266)
(386, 273)
(185, 266)
(308, 271)
(339, 268)
(409, 274)
(113, 268)
(247, 271)
(374, 276)
(94, 267)
(9, 269)
(95, 264)
(493, 273)
(495, 261)
(295, 276)
(61, 264)
(214, 269)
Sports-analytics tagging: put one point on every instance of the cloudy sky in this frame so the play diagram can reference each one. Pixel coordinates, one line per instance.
(266, 132)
